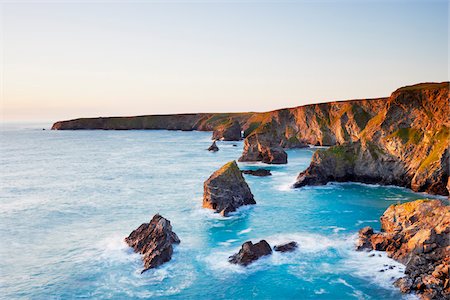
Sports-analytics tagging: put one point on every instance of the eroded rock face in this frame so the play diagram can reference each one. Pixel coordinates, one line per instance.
(405, 144)
(250, 252)
(417, 235)
(287, 247)
(260, 147)
(258, 172)
(226, 190)
(154, 241)
(230, 131)
(213, 147)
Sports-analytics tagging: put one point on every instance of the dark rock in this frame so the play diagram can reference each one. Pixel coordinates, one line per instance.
(213, 147)
(287, 247)
(258, 172)
(226, 190)
(364, 239)
(230, 131)
(250, 252)
(154, 241)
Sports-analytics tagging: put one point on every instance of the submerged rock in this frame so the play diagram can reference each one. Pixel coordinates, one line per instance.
(258, 172)
(154, 241)
(226, 190)
(287, 247)
(250, 252)
(213, 147)
(416, 234)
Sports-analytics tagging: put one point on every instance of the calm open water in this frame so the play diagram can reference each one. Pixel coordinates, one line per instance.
(68, 199)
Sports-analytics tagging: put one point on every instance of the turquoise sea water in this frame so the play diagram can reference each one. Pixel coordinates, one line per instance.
(68, 199)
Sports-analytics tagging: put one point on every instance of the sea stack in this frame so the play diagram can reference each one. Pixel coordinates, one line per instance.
(154, 241)
(226, 190)
(416, 234)
(213, 147)
(250, 252)
(230, 131)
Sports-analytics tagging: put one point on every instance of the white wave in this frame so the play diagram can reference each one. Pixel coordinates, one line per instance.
(375, 266)
(244, 231)
(335, 229)
(359, 222)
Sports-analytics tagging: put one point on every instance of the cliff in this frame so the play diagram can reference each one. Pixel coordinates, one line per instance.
(405, 144)
(417, 235)
(401, 140)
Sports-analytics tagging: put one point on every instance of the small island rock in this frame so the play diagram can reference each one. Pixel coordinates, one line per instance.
(226, 190)
(258, 172)
(213, 147)
(287, 247)
(250, 252)
(154, 241)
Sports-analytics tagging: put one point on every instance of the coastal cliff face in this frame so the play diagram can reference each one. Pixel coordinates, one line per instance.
(405, 144)
(417, 235)
(400, 140)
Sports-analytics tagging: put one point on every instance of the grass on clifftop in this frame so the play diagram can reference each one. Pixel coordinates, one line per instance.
(424, 86)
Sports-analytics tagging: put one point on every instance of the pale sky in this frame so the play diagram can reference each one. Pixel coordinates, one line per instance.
(63, 60)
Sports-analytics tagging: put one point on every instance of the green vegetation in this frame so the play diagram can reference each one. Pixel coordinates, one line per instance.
(408, 135)
(251, 128)
(441, 142)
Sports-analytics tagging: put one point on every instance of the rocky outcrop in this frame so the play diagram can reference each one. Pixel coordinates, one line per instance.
(230, 131)
(213, 147)
(407, 133)
(405, 144)
(154, 241)
(250, 252)
(416, 234)
(226, 190)
(258, 172)
(287, 247)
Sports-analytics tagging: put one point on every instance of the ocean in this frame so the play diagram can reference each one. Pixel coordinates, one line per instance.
(69, 198)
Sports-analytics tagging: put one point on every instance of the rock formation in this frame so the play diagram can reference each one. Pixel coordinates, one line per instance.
(405, 144)
(226, 190)
(258, 172)
(416, 234)
(250, 252)
(213, 147)
(406, 133)
(287, 247)
(154, 241)
(229, 131)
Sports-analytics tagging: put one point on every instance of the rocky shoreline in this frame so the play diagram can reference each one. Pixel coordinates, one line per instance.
(416, 234)
(400, 140)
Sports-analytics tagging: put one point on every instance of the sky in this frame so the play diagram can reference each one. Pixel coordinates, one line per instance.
(63, 60)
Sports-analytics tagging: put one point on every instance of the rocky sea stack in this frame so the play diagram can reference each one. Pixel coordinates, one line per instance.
(250, 252)
(230, 131)
(416, 234)
(213, 147)
(226, 190)
(154, 241)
